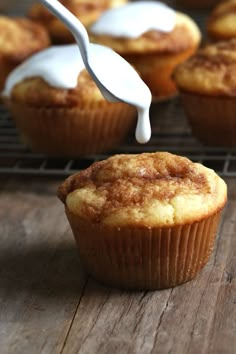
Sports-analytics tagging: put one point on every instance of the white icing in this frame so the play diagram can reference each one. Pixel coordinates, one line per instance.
(134, 19)
(120, 78)
(59, 66)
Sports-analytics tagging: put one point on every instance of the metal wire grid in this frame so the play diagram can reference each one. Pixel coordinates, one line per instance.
(170, 133)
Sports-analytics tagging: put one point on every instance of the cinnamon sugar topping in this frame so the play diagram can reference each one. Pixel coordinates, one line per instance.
(211, 71)
(137, 188)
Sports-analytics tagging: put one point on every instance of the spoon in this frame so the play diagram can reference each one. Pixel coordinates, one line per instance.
(81, 36)
(114, 76)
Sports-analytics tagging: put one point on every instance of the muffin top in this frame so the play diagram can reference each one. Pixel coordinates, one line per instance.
(166, 31)
(149, 189)
(55, 77)
(211, 71)
(21, 37)
(36, 92)
(222, 21)
(86, 10)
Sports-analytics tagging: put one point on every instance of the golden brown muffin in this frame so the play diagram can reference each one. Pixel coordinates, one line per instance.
(87, 12)
(155, 54)
(19, 39)
(66, 122)
(221, 23)
(207, 83)
(144, 221)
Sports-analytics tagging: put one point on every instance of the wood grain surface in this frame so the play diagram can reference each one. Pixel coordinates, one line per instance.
(48, 304)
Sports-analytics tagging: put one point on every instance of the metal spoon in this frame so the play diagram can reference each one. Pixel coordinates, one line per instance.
(119, 82)
(81, 36)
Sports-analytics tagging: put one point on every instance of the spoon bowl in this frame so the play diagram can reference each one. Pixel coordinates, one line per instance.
(81, 36)
(114, 76)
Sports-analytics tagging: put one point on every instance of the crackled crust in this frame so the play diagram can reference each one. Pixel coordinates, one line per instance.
(150, 189)
(36, 92)
(21, 37)
(184, 36)
(222, 21)
(86, 10)
(211, 71)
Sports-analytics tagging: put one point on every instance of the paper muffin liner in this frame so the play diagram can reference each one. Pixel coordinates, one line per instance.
(94, 128)
(144, 258)
(156, 70)
(212, 118)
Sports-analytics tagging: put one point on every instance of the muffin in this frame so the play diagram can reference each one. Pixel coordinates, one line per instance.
(221, 24)
(87, 12)
(144, 221)
(207, 84)
(19, 39)
(152, 37)
(59, 110)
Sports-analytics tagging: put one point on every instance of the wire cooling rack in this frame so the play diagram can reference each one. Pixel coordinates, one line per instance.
(170, 132)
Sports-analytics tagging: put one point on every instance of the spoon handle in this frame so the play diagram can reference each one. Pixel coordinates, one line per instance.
(72, 23)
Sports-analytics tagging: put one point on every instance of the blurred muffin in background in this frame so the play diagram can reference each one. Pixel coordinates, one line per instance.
(197, 4)
(58, 109)
(207, 84)
(19, 39)
(221, 24)
(150, 36)
(87, 12)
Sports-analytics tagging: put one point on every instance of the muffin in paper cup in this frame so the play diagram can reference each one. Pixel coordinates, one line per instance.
(87, 11)
(221, 23)
(144, 221)
(20, 38)
(212, 119)
(207, 86)
(69, 120)
(152, 50)
(73, 132)
(156, 71)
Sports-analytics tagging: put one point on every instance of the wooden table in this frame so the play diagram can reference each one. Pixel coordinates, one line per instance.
(50, 305)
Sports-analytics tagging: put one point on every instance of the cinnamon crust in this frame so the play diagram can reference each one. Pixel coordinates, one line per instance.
(87, 12)
(150, 189)
(211, 71)
(21, 37)
(221, 23)
(35, 92)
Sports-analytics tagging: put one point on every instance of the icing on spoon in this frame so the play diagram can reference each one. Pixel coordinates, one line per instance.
(114, 76)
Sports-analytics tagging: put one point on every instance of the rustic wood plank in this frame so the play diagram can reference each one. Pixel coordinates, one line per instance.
(222, 337)
(45, 306)
(207, 333)
(189, 324)
(108, 320)
(41, 280)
